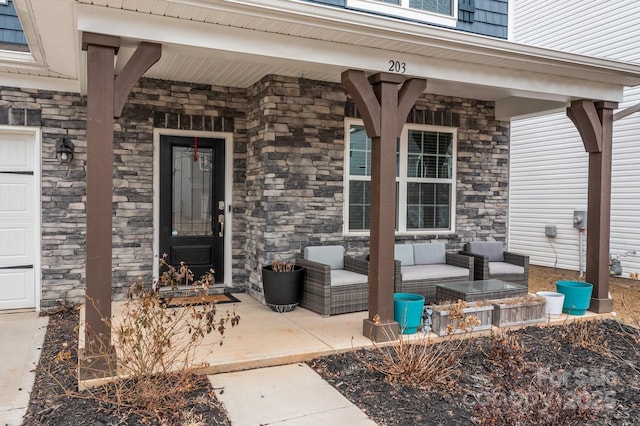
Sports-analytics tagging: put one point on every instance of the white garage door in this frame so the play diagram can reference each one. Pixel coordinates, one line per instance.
(18, 220)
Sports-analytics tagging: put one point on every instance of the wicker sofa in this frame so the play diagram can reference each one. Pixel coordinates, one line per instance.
(334, 283)
(492, 262)
(420, 267)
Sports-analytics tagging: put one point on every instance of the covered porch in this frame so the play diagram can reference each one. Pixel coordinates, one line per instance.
(264, 338)
(224, 45)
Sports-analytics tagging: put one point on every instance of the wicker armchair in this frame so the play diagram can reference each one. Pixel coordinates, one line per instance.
(492, 262)
(334, 283)
(420, 267)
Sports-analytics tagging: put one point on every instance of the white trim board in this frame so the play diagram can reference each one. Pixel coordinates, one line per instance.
(228, 250)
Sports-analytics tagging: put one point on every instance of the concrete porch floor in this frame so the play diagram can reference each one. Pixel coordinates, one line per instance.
(264, 338)
(267, 338)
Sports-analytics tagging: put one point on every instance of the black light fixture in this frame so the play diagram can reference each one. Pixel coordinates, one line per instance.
(64, 150)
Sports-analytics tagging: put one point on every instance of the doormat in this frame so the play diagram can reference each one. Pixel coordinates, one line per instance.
(200, 299)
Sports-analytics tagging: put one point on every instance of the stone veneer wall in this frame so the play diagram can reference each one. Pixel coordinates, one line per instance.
(482, 184)
(288, 153)
(295, 170)
(294, 184)
(152, 104)
(482, 187)
(155, 104)
(63, 189)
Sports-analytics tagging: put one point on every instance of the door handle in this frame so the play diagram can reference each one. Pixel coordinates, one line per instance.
(221, 224)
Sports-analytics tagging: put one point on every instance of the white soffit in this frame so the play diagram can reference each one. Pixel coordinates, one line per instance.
(321, 22)
(189, 42)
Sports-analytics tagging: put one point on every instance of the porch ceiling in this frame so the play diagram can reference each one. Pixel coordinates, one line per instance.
(236, 42)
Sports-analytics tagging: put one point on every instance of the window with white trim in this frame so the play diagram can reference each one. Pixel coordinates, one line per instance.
(443, 12)
(425, 179)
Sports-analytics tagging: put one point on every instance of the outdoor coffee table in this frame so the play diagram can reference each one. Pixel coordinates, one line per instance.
(472, 291)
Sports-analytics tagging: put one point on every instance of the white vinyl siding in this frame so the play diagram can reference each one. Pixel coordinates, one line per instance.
(548, 161)
(606, 29)
(548, 182)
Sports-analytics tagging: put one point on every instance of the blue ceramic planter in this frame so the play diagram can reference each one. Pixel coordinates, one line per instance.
(407, 311)
(577, 296)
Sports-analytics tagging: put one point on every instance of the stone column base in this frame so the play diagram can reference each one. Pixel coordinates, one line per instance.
(380, 332)
(95, 370)
(601, 306)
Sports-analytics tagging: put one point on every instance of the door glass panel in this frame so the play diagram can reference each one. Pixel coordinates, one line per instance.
(192, 185)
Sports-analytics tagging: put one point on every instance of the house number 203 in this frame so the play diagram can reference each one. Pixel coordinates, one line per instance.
(397, 66)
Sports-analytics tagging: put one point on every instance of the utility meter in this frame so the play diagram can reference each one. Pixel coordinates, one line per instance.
(551, 231)
(580, 219)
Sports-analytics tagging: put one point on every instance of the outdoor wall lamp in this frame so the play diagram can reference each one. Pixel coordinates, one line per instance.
(64, 150)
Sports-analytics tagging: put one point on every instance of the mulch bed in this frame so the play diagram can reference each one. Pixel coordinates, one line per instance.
(55, 400)
(612, 378)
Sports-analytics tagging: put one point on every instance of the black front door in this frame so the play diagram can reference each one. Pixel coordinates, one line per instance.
(192, 203)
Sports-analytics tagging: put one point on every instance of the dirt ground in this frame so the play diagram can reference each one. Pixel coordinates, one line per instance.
(625, 292)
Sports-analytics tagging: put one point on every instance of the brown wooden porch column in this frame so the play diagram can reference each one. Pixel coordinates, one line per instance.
(594, 121)
(384, 111)
(104, 101)
(100, 88)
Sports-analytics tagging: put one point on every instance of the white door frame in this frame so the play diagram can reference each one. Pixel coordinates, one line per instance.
(228, 194)
(36, 134)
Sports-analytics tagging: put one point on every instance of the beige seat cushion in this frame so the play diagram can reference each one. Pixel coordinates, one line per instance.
(344, 277)
(501, 268)
(327, 255)
(404, 253)
(492, 249)
(429, 253)
(428, 272)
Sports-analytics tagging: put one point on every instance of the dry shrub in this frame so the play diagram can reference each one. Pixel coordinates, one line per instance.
(171, 404)
(523, 393)
(458, 322)
(631, 334)
(635, 320)
(507, 353)
(282, 266)
(156, 345)
(585, 334)
(421, 362)
(525, 299)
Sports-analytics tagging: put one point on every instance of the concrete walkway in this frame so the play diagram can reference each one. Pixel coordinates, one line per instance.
(291, 394)
(287, 395)
(22, 335)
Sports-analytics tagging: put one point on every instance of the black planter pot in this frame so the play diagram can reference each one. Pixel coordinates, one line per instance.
(282, 290)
